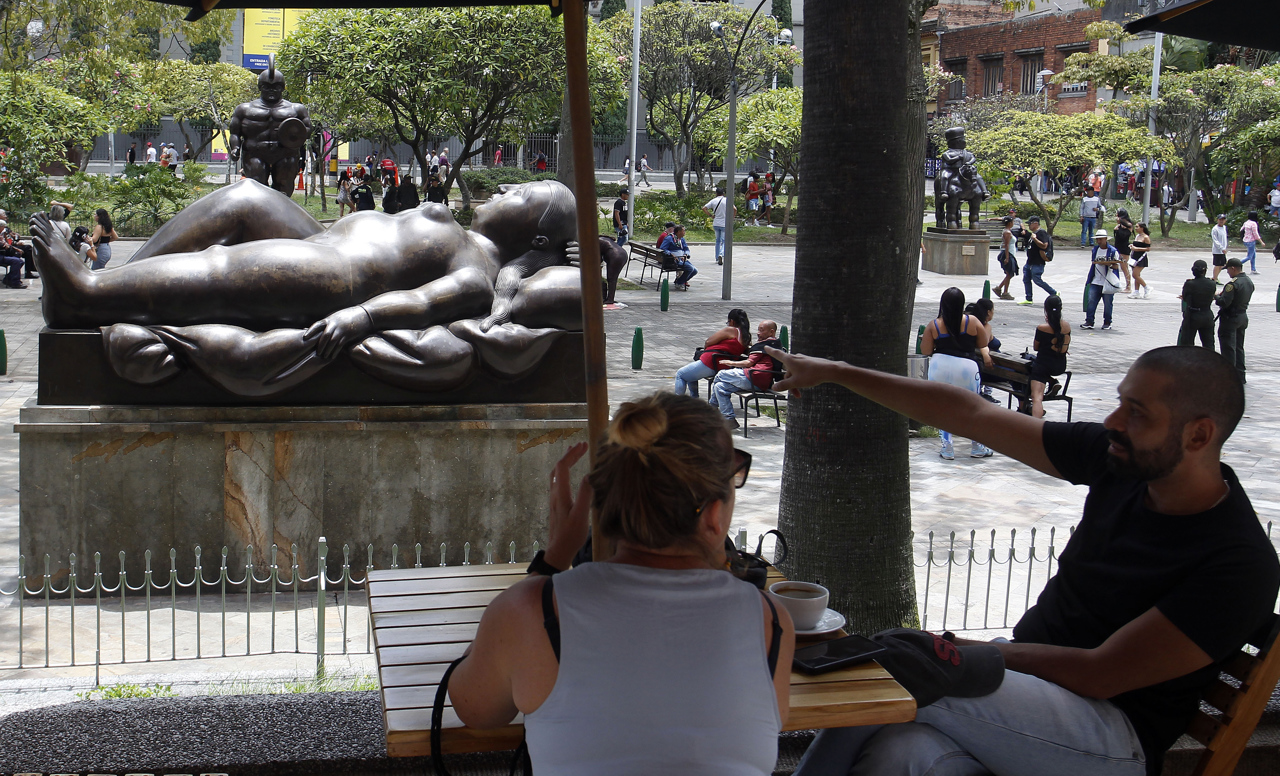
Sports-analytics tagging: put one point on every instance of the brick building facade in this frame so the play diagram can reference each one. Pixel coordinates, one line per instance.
(1008, 54)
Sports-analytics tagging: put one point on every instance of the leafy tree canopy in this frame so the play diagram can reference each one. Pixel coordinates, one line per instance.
(39, 121)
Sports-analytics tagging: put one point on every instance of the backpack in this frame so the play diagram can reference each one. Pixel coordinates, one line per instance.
(742, 187)
(1048, 249)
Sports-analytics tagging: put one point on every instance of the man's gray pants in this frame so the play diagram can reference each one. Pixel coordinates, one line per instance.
(1231, 329)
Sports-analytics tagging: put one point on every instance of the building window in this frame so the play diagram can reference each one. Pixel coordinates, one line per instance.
(956, 90)
(1074, 90)
(1031, 65)
(992, 77)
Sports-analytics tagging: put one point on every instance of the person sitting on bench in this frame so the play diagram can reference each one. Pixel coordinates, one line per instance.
(1167, 575)
(657, 661)
(1053, 338)
(677, 257)
(755, 373)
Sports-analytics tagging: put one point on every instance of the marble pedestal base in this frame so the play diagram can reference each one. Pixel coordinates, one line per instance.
(106, 479)
(956, 251)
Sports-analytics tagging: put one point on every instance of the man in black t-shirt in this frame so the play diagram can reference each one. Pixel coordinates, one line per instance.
(620, 215)
(1037, 250)
(1167, 575)
(362, 193)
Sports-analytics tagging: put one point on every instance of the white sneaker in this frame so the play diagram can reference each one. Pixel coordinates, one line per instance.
(1134, 295)
(1146, 291)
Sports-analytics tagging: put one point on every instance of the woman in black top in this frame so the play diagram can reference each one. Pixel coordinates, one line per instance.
(1141, 247)
(952, 341)
(1053, 337)
(1124, 231)
(408, 193)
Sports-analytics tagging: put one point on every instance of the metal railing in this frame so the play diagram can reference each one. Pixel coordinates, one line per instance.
(55, 620)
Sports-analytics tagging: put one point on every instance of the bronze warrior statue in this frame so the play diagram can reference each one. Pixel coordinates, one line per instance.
(958, 181)
(269, 133)
(250, 291)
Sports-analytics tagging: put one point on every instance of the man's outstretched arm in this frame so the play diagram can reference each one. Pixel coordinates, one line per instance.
(961, 412)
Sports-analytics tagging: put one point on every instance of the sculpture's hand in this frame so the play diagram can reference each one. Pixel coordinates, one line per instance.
(234, 153)
(571, 252)
(338, 330)
(500, 314)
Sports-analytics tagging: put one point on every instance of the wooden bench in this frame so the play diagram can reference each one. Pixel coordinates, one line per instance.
(650, 258)
(1012, 375)
(1226, 735)
(424, 618)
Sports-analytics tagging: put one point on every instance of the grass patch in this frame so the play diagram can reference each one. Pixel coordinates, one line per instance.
(780, 415)
(627, 285)
(330, 683)
(928, 432)
(126, 690)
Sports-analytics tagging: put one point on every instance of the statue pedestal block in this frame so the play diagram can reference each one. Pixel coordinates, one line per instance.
(956, 251)
(111, 478)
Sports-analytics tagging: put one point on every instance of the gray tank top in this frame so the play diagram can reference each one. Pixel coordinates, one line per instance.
(661, 671)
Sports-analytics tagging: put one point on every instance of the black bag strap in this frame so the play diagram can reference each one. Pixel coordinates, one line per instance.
(780, 549)
(549, 619)
(437, 719)
(775, 640)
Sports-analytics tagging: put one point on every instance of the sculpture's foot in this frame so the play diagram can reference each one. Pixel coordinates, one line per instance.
(66, 279)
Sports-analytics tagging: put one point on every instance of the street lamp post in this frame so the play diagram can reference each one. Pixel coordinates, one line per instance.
(730, 154)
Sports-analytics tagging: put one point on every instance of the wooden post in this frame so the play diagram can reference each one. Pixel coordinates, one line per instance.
(584, 179)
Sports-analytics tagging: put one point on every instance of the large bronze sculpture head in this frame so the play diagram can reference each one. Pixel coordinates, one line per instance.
(530, 216)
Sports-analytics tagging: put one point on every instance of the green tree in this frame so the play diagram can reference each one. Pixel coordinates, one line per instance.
(845, 504)
(781, 12)
(205, 52)
(201, 96)
(768, 128)
(40, 122)
(117, 90)
(684, 71)
(1030, 143)
(393, 57)
(610, 7)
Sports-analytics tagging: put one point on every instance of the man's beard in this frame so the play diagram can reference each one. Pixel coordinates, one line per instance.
(1146, 465)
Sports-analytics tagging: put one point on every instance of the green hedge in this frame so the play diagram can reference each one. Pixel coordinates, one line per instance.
(1268, 226)
(485, 182)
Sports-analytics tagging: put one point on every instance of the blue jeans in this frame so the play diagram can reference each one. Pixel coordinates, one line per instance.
(1027, 726)
(1251, 254)
(12, 268)
(104, 256)
(689, 375)
(687, 271)
(1095, 291)
(727, 383)
(1087, 228)
(719, 242)
(1034, 273)
(622, 237)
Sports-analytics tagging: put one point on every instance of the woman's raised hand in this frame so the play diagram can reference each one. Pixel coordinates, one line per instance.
(568, 522)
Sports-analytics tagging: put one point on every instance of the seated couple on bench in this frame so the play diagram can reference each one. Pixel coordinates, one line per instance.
(720, 358)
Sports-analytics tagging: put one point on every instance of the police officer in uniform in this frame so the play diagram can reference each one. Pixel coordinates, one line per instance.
(1197, 307)
(1233, 318)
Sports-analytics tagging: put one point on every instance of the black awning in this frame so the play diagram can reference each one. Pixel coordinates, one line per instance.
(1252, 23)
(201, 7)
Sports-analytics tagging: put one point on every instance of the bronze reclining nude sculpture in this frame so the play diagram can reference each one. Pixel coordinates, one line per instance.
(250, 291)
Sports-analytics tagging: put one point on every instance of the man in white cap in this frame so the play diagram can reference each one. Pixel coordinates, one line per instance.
(1105, 263)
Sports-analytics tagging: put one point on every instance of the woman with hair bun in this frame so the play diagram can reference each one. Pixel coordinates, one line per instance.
(657, 660)
(729, 342)
(952, 341)
(1053, 337)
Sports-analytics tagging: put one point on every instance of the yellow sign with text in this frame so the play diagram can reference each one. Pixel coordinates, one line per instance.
(264, 29)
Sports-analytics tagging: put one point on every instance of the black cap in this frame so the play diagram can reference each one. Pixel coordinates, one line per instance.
(1235, 264)
(931, 667)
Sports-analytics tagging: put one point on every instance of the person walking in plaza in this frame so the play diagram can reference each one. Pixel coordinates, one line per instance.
(1138, 261)
(718, 208)
(1122, 240)
(620, 215)
(1007, 258)
(767, 192)
(951, 341)
(408, 191)
(1233, 318)
(1103, 280)
(103, 235)
(1252, 239)
(754, 373)
(677, 253)
(1273, 200)
(1218, 235)
(1197, 307)
(1090, 211)
(344, 193)
(1167, 575)
(753, 198)
(1052, 339)
(132, 156)
(730, 341)
(151, 153)
(644, 169)
(1039, 250)
(626, 173)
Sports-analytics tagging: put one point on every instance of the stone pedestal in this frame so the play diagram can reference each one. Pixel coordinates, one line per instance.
(106, 479)
(956, 251)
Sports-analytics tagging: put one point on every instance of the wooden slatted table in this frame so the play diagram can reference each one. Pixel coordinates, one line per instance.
(424, 618)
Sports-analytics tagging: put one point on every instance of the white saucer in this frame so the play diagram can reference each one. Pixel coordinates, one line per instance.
(831, 621)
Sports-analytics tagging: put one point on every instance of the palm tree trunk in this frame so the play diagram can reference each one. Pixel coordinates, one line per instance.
(846, 504)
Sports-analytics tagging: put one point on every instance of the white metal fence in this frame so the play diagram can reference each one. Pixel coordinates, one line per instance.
(217, 608)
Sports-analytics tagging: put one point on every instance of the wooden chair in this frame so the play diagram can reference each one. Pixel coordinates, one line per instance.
(1226, 736)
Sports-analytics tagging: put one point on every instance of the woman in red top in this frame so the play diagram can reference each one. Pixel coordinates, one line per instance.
(753, 198)
(729, 342)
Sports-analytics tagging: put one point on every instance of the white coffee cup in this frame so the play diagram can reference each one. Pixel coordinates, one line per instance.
(805, 601)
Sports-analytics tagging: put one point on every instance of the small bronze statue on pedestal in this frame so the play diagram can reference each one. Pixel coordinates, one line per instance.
(958, 181)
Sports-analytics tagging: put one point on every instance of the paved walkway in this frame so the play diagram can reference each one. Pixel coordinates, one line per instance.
(961, 496)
